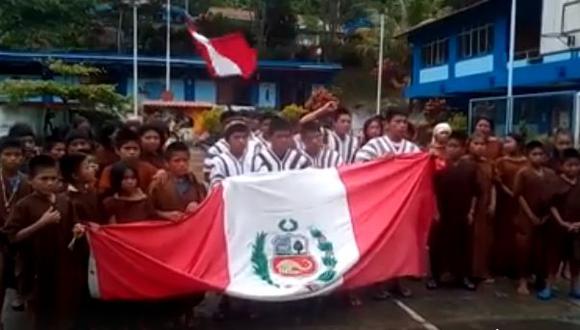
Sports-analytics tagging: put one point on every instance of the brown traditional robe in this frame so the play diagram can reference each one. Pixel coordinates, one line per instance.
(105, 157)
(450, 250)
(562, 245)
(506, 169)
(85, 204)
(156, 160)
(482, 229)
(537, 190)
(494, 148)
(166, 197)
(58, 272)
(12, 195)
(119, 209)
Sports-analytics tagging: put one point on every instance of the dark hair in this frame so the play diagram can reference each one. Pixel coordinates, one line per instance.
(19, 130)
(8, 142)
(368, 123)
(310, 127)
(340, 112)
(487, 119)
(458, 136)
(279, 124)
(235, 127)
(570, 153)
(562, 131)
(229, 116)
(69, 166)
(77, 135)
(175, 147)
(39, 163)
(535, 144)
(124, 136)
(151, 127)
(105, 132)
(160, 126)
(520, 141)
(118, 174)
(267, 116)
(51, 142)
(392, 113)
(78, 120)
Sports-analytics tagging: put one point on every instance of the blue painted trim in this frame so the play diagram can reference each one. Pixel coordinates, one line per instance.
(473, 66)
(159, 61)
(436, 73)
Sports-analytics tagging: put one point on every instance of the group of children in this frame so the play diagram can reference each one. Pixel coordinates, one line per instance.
(48, 193)
(506, 208)
(503, 208)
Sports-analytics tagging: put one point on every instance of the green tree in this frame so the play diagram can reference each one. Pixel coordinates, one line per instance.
(45, 23)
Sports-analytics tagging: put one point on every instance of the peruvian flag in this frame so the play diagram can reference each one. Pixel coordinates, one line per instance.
(277, 237)
(225, 56)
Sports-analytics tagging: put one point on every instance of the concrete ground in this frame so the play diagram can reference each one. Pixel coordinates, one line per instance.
(491, 307)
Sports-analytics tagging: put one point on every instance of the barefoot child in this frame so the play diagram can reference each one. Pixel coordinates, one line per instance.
(42, 224)
(180, 194)
(532, 193)
(566, 211)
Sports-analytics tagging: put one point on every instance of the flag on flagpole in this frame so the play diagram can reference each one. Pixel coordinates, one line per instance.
(277, 237)
(226, 56)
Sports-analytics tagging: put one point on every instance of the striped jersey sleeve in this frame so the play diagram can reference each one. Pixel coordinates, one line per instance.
(218, 148)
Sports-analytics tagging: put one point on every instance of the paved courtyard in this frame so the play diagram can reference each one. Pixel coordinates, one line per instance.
(491, 307)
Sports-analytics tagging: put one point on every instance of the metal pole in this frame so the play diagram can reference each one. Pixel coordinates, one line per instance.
(135, 64)
(168, 48)
(510, 82)
(187, 6)
(380, 72)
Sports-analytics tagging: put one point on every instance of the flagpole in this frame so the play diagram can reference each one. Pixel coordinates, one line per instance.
(135, 64)
(380, 72)
(168, 48)
(510, 82)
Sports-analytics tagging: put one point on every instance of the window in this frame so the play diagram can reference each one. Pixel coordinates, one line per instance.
(475, 41)
(435, 53)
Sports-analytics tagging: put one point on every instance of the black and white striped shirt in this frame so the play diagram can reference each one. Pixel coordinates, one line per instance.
(226, 165)
(267, 161)
(326, 158)
(346, 147)
(381, 146)
(254, 146)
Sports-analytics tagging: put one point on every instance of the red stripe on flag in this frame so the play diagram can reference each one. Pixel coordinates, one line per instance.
(136, 262)
(391, 204)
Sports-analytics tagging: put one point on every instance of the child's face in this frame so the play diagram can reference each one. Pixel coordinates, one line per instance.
(129, 183)
(45, 181)
(281, 141)
(29, 144)
(129, 151)
(477, 147)
(454, 149)
(238, 142)
(150, 141)
(11, 158)
(58, 150)
(178, 163)
(563, 142)
(86, 172)
(343, 124)
(79, 146)
(398, 126)
(571, 167)
(313, 142)
(537, 156)
(484, 127)
(510, 145)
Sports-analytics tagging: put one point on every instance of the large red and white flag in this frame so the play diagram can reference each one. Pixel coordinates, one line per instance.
(226, 56)
(277, 237)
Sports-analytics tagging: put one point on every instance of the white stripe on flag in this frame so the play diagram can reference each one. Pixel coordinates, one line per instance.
(304, 256)
(222, 65)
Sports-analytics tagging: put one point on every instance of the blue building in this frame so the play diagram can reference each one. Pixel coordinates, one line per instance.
(464, 57)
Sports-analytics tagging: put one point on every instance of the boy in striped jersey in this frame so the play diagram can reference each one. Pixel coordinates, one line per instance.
(279, 156)
(314, 149)
(392, 143)
(234, 159)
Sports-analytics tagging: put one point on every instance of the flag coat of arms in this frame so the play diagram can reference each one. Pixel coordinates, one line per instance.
(277, 237)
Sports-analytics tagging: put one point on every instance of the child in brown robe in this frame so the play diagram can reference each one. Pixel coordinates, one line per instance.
(562, 140)
(129, 150)
(79, 176)
(13, 187)
(533, 186)
(482, 218)
(128, 202)
(456, 188)
(180, 193)
(42, 224)
(152, 141)
(565, 209)
(506, 169)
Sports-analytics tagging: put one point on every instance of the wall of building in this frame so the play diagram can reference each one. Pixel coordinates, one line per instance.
(559, 16)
